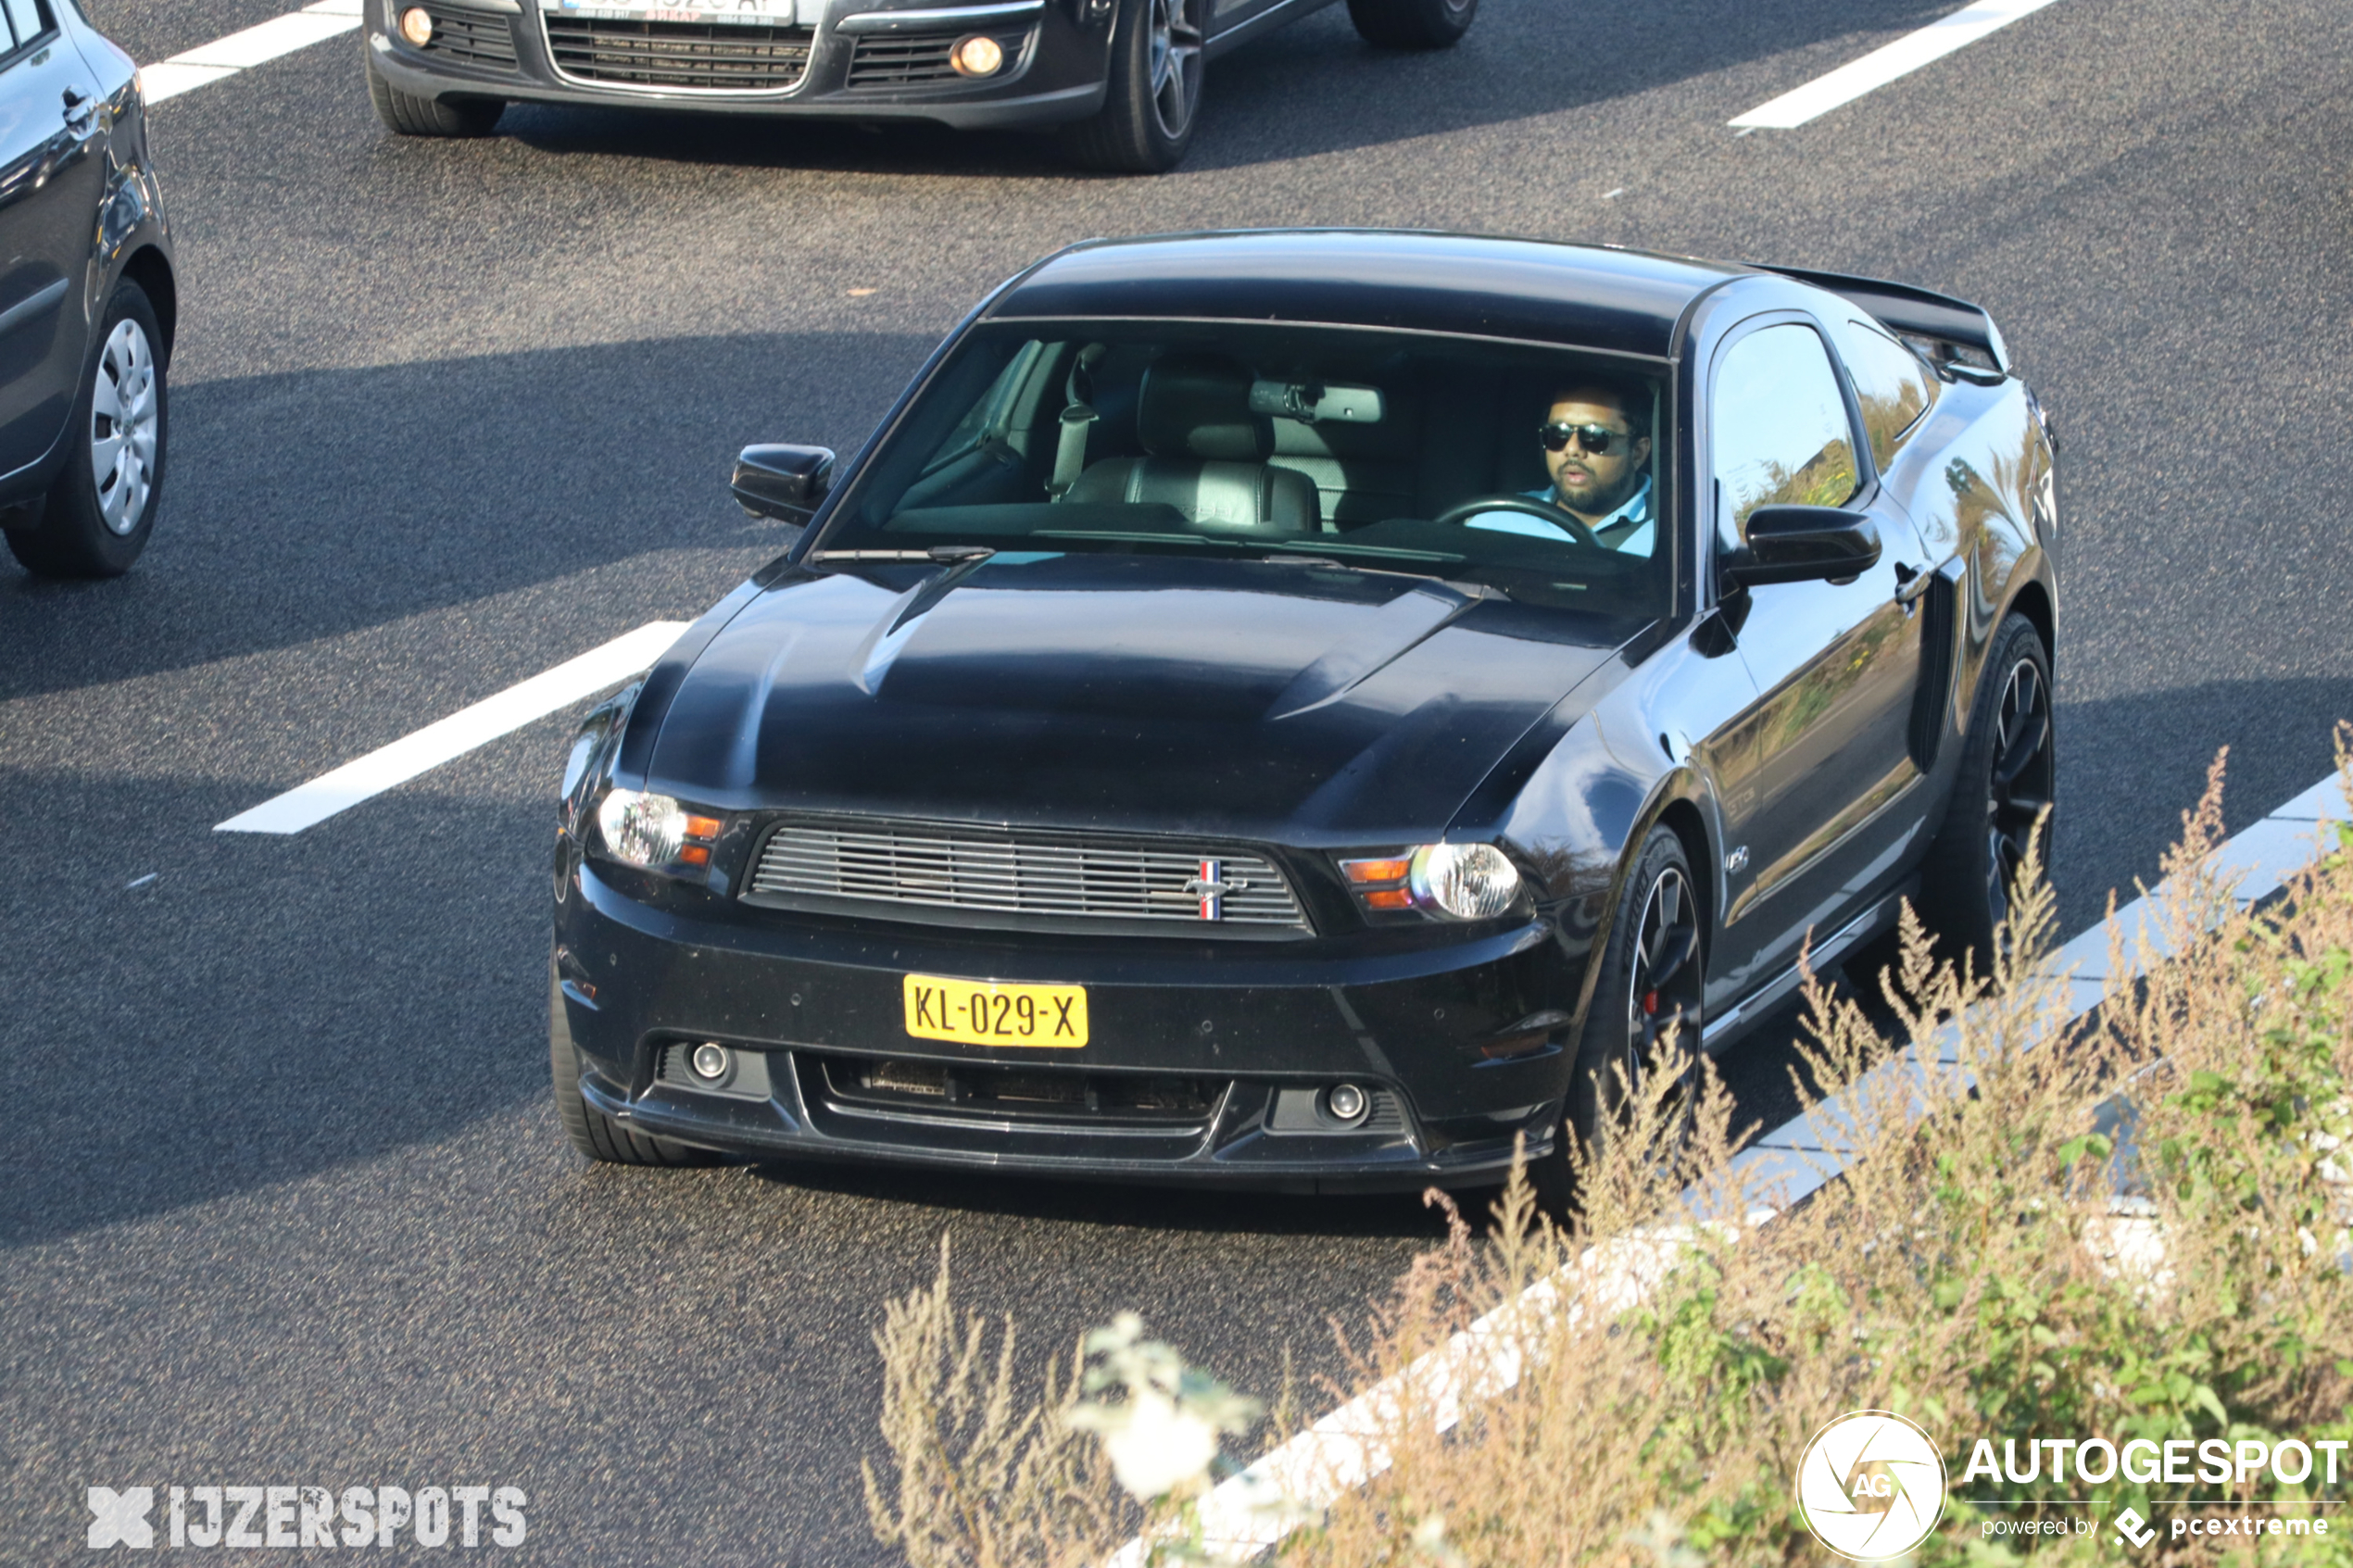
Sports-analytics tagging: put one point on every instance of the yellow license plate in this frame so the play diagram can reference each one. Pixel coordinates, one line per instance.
(985, 1012)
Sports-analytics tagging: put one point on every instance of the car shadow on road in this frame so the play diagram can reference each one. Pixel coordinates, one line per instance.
(1308, 89)
(426, 485)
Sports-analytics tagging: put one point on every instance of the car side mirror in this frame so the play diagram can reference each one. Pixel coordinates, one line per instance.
(1803, 544)
(784, 482)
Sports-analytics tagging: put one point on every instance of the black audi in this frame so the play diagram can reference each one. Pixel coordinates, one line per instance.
(1308, 709)
(1120, 79)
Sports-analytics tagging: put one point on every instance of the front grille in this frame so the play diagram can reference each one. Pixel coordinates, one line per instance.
(1100, 1100)
(470, 38)
(910, 59)
(704, 57)
(1073, 886)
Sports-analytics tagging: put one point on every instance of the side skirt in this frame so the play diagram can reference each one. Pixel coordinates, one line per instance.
(1718, 1035)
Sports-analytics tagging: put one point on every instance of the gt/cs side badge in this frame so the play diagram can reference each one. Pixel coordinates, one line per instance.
(1737, 861)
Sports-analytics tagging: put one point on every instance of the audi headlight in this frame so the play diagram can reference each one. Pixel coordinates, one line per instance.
(1458, 880)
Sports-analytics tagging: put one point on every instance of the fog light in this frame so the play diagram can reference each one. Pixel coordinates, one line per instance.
(415, 26)
(1347, 1103)
(977, 56)
(711, 1063)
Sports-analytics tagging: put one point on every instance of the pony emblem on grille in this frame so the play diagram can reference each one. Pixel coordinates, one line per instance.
(1211, 888)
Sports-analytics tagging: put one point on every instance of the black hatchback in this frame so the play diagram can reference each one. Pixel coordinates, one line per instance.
(1120, 78)
(87, 300)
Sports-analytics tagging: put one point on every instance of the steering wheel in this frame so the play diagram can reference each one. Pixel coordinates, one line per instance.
(1559, 517)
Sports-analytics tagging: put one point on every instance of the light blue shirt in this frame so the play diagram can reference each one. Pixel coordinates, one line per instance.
(1636, 511)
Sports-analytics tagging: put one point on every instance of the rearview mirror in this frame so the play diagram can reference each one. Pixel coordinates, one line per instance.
(1804, 544)
(784, 482)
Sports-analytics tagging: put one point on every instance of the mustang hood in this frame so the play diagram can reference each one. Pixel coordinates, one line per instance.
(1260, 699)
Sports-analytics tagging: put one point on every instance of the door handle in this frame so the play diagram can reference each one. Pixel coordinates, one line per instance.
(1911, 581)
(80, 111)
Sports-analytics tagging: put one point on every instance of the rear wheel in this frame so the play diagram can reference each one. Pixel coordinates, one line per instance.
(2007, 772)
(1154, 92)
(99, 512)
(1649, 990)
(1412, 24)
(592, 1131)
(409, 115)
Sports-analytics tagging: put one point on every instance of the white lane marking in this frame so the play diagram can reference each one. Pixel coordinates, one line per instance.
(1345, 1449)
(1880, 66)
(469, 727)
(224, 57)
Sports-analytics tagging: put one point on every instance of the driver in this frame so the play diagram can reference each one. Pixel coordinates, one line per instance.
(1598, 454)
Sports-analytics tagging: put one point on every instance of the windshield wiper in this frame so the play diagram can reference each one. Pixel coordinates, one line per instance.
(946, 555)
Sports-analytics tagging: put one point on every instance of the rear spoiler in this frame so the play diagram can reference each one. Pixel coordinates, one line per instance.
(1956, 333)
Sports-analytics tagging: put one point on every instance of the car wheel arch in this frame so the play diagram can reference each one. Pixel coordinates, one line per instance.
(147, 267)
(1677, 804)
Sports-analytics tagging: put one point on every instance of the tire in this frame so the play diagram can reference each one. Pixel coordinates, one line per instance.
(2008, 774)
(1652, 974)
(591, 1132)
(1412, 24)
(406, 114)
(100, 509)
(1153, 100)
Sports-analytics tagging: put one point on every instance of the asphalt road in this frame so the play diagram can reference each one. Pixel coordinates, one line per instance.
(283, 1199)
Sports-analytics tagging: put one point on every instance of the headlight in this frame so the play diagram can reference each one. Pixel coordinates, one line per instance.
(1460, 881)
(653, 831)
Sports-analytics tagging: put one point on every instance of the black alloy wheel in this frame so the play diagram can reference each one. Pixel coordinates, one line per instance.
(2007, 782)
(590, 1130)
(1412, 24)
(1154, 96)
(409, 114)
(1646, 1003)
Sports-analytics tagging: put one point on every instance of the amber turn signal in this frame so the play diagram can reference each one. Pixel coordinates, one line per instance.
(415, 26)
(977, 56)
(1364, 873)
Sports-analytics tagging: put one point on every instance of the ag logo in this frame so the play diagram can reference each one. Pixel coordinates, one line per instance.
(1871, 1485)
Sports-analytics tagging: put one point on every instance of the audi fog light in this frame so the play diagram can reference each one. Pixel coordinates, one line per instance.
(1468, 881)
(641, 829)
(977, 56)
(415, 26)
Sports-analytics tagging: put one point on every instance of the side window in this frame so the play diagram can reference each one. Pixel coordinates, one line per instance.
(1780, 429)
(26, 20)
(1890, 382)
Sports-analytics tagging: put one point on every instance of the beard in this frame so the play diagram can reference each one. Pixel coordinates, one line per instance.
(1596, 499)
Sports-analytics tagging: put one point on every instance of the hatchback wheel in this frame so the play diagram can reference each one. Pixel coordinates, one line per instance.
(1412, 24)
(98, 514)
(409, 115)
(1154, 94)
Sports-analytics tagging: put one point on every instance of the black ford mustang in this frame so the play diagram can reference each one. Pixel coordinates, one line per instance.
(1301, 709)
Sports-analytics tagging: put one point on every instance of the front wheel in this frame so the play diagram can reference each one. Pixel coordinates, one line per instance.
(1412, 24)
(1645, 1013)
(1153, 96)
(2006, 782)
(409, 114)
(97, 515)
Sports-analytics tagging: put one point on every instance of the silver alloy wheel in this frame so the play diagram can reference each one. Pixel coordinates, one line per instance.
(1176, 39)
(124, 420)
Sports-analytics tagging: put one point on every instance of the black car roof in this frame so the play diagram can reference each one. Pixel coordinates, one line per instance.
(1591, 296)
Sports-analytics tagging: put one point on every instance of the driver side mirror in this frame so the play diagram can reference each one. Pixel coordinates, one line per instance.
(784, 482)
(1803, 544)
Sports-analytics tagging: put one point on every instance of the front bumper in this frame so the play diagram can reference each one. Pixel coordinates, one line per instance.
(865, 63)
(1205, 1064)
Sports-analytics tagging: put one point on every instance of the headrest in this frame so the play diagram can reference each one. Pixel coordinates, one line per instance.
(1197, 406)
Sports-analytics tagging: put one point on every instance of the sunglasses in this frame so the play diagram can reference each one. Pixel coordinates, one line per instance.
(1596, 439)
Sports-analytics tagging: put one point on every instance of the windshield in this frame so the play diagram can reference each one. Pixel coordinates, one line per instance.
(1532, 469)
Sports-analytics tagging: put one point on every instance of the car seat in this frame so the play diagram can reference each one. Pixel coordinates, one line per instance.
(1206, 453)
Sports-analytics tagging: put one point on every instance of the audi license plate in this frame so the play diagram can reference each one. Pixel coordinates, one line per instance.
(983, 1013)
(766, 13)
